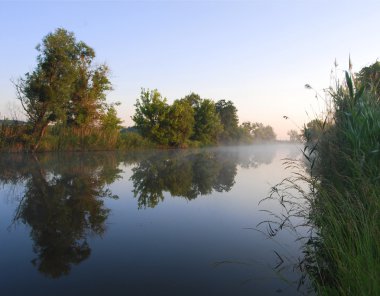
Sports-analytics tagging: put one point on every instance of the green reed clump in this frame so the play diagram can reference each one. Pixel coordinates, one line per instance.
(344, 257)
(346, 209)
(338, 195)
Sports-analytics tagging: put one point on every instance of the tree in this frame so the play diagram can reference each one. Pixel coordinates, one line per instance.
(180, 123)
(229, 119)
(313, 131)
(87, 103)
(369, 77)
(151, 116)
(193, 99)
(259, 132)
(294, 136)
(65, 87)
(110, 125)
(207, 125)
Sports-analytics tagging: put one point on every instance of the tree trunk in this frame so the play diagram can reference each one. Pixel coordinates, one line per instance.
(41, 133)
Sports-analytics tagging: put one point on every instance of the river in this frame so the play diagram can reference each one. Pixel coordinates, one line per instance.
(173, 222)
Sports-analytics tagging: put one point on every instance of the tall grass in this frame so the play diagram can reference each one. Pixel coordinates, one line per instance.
(339, 195)
(346, 209)
(16, 138)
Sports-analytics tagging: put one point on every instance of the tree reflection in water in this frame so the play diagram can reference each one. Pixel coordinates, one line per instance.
(64, 194)
(191, 173)
(63, 203)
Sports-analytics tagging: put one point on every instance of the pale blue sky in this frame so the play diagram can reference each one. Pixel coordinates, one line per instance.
(259, 54)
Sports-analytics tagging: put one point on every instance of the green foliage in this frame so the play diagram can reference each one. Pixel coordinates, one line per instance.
(193, 121)
(133, 140)
(109, 120)
(190, 118)
(193, 99)
(348, 167)
(180, 123)
(151, 116)
(337, 193)
(111, 125)
(207, 123)
(343, 258)
(65, 87)
(229, 119)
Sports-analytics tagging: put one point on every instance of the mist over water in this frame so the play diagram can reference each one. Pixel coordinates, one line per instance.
(172, 222)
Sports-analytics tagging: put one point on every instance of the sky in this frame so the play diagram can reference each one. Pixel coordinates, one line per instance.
(258, 54)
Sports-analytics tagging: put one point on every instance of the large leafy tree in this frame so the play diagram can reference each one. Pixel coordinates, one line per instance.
(65, 86)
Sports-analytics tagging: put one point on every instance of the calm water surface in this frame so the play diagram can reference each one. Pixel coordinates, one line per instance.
(147, 223)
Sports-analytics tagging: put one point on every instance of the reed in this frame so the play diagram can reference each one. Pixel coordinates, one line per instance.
(338, 195)
(346, 209)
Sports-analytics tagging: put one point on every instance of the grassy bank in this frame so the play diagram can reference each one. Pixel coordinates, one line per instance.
(17, 138)
(337, 193)
(346, 210)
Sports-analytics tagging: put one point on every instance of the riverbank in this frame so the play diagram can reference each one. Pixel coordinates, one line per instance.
(15, 137)
(344, 258)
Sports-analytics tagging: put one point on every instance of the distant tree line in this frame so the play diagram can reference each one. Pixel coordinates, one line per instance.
(193, 120)
(64, 100)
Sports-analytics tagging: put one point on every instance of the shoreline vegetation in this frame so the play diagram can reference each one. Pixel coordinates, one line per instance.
(64, 101)
(342, 206)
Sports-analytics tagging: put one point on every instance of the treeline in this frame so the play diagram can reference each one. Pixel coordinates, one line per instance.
(194, 121)
(64, 100)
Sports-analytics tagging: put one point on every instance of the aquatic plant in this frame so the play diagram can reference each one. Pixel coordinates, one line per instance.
(338, 195)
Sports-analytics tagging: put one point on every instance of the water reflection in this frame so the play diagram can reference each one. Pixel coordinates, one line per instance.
(63, 195)
(181, 174)
(63, 203)
(191, 173)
